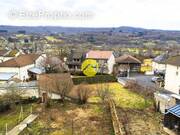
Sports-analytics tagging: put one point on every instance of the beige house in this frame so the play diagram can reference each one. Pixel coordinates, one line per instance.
(21, 64)
(105, 59)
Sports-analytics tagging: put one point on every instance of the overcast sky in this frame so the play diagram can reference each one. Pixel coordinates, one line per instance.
(156, 14)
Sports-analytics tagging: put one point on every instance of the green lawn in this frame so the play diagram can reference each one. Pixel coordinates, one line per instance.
(125, 98)
(11, 118)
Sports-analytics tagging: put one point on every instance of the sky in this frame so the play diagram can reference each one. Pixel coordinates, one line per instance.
(151, 14)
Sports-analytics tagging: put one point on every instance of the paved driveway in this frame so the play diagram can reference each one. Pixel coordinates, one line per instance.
(144, 80)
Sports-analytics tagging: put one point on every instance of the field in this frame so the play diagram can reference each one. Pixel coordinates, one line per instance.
(123, 97)
(135, 112)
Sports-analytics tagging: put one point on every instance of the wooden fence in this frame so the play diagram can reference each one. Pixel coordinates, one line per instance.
(115, 120)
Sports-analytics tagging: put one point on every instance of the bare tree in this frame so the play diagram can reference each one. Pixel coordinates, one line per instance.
(62, 86)
(13, 94)
(52, 65)
(104, 91)
(83, 93)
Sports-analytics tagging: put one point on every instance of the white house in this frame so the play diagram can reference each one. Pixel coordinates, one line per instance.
(170, 96)
(159, 64)
(105, 59)
(21, 64)
(172, 77)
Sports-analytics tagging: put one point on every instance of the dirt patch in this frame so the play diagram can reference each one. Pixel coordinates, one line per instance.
(81, 120)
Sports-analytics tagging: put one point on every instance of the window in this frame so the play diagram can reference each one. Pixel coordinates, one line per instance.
(177, 73)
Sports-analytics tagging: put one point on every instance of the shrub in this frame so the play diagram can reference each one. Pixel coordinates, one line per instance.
(4, 106)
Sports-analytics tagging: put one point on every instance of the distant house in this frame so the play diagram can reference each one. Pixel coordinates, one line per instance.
(105, 59)
(128, 62)
(159, 63)
(75, 60)
(7, 55)
(2, 54)
(21, 65)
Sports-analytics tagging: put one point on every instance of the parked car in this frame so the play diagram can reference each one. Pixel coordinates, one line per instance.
(122, 74)
(157, 79)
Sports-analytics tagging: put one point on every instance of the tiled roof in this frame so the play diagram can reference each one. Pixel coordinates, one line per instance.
(3, 52)
(99, 54)
(20, 61)
(161, 58)
(12, 53)
(127, 59)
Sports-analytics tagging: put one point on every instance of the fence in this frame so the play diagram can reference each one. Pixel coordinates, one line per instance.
(114, 118)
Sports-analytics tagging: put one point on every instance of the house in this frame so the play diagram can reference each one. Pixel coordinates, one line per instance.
(105, 59)
(127, 63)
(2, 54)
(170, 96)
(172, 74)
(75, 60)
(21, 64)
(7, 55)
(159, 63)
(172, 119)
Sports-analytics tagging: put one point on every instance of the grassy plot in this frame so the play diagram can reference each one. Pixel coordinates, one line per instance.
(123, 97)
(12, 117)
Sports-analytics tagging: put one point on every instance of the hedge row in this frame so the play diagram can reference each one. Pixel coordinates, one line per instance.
(95, 79)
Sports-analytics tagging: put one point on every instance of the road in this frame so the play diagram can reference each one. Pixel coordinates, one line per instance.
(144, 80)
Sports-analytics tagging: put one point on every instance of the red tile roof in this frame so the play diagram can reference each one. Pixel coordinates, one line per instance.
(99, 54)
(20, 61)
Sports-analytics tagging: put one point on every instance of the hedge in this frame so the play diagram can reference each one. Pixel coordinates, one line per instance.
(4, 106)
(95, 79)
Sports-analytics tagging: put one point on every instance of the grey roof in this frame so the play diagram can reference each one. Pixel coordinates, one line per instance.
(161, 58)
(37, 70)
(6, 76)
(175, 60)
(175, 110)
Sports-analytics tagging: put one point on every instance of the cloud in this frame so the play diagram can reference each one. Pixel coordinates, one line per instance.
(162, 14)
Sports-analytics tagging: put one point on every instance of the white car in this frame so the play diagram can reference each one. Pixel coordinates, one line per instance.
(156, 79)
